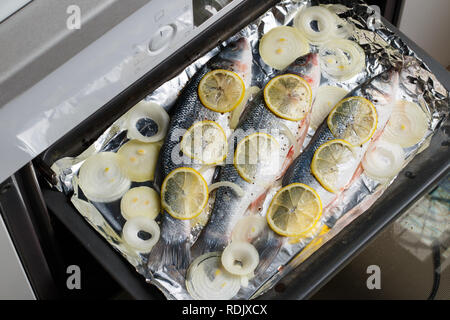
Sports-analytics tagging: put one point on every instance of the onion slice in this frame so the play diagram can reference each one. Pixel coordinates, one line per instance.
(281, 46)
(383, 160)
(229, 184)
(207, 279)
(342, 59)
(102, 177)
(248, 228)
(240, 258)
(140, 202)
(326, 98)
(139, 160)
(147, 122)
(407, 125)
(317, 24)
(141, 233)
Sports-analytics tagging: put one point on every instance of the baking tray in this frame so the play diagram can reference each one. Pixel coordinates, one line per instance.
(421, 174)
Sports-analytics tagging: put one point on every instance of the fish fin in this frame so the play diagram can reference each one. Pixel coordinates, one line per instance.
(291, 155)
(256, 205)
(175, 255)
(287, 162)
(267, 253)
(208, 243)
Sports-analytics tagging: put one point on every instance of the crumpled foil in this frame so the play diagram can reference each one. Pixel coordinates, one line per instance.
(383, 48)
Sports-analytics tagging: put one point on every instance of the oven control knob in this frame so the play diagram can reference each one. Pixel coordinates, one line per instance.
(161, 39)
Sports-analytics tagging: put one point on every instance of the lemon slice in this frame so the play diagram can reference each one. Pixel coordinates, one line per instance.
(184, 193)
(288, 96)
(294, 210)
(221, 90)
(255, 155)
(205, 141)
(329, 163)
(353, 119)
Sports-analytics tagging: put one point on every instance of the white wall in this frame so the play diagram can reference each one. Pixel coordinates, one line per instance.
(427, 23)
(14, 283)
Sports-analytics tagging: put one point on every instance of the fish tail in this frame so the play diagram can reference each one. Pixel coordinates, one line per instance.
(268, 253)
(174, 255)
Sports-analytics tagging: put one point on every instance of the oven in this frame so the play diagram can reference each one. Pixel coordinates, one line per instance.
(126, 51)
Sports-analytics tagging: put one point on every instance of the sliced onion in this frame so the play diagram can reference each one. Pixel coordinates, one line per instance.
(407, 125)
(292, 140)
(383, 160)
(281, 46)
(139, 160)
(102, 177)
(240, 258)
(326, 98)
(147, 122)
(206, 279)
(236, 113)
(248, 228)
(342, 59)
(325, 20)
(140, 202)
(229, 184)
(343, 29)
(141, 233)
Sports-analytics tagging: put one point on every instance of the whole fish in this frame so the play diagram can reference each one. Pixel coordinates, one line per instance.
(172, 249)
(229, 207)
(381, 91)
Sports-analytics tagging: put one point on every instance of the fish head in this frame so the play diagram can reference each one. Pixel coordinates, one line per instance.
(382, 92)
(385, 87)
(237, 57)
(308, 68)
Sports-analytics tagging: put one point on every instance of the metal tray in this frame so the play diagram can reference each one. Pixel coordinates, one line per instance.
(420, 176)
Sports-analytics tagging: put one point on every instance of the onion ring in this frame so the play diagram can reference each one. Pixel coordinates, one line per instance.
(132, 233)
(383, 160)
(102, 178)
(206, 279)
(147, 122)
(240, 258)
(342, 59)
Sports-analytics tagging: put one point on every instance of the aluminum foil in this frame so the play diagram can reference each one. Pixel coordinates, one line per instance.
(384, 50)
